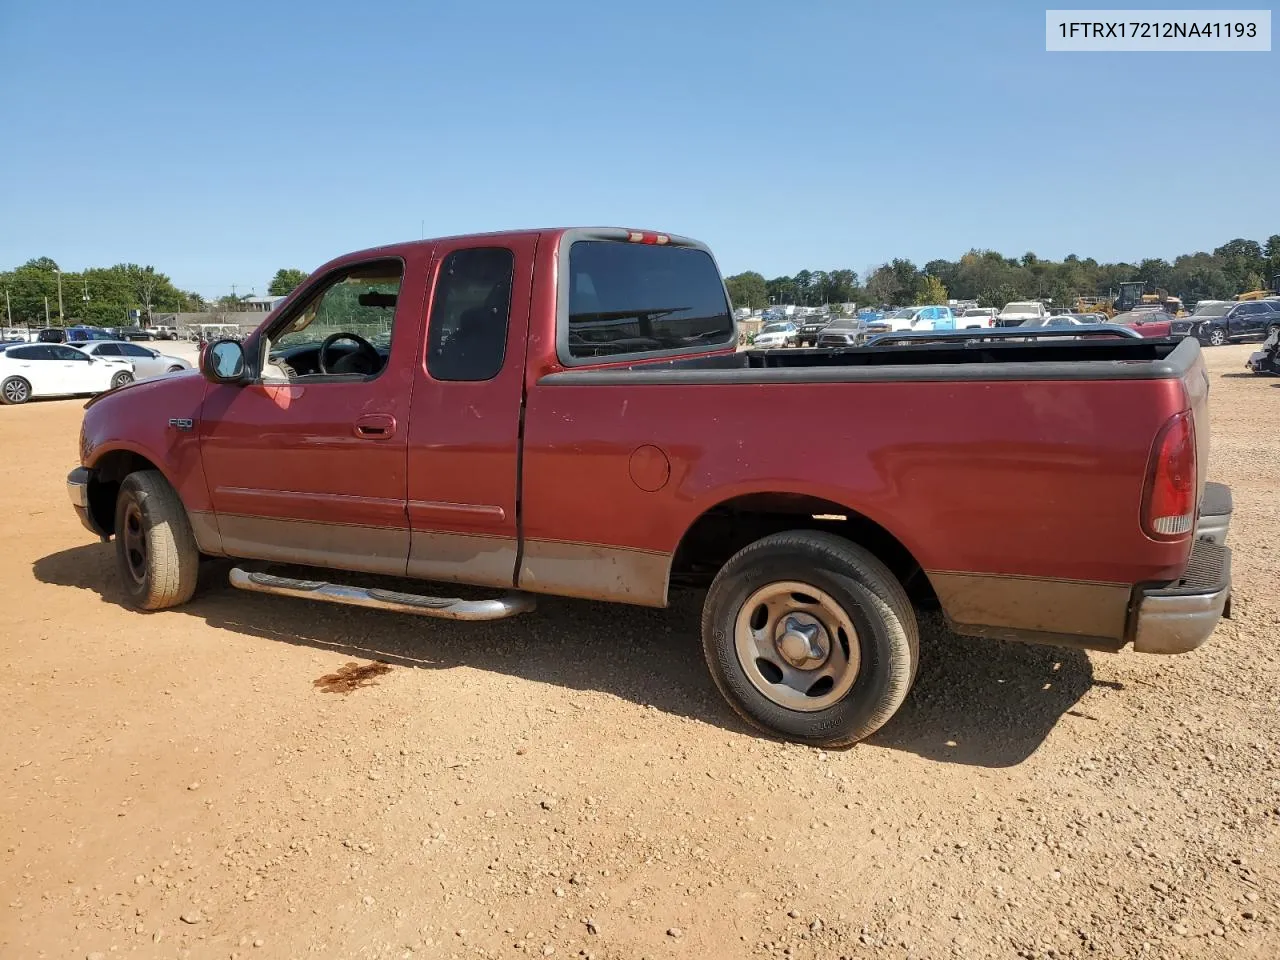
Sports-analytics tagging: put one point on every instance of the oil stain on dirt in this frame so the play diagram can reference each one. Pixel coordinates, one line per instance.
(351, 676)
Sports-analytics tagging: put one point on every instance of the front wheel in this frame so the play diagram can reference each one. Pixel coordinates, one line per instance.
(1217, 337)
(120, 379)
(811, 638)
(15, 390)
(156, 551)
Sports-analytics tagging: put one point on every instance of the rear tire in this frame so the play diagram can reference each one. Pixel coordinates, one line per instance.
(156, 551)
(811, 638)
(174, 370)
(15, 390)
(1217, 337)
(120, 379)
(1271, 331)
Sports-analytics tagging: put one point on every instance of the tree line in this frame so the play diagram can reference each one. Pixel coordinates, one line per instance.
(40, 292)
(993, 279)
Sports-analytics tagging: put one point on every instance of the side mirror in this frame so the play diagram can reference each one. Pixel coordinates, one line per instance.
(222, 361)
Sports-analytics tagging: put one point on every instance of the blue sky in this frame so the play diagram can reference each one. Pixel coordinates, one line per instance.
(222, 141)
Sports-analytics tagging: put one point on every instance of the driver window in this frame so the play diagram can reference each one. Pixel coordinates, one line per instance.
(342, 330)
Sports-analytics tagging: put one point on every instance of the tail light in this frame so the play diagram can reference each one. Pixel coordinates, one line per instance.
(1169, 501)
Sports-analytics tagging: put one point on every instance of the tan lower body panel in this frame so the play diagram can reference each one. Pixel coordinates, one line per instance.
(594, 572)
(997, 605)
(463, 558)
(204, 525)
(334, 545)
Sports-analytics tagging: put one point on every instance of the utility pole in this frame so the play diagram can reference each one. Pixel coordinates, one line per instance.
(62, 317)
(46, 312)
(8, 310)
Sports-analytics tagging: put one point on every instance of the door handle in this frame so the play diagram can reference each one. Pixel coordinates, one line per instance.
(375, 426)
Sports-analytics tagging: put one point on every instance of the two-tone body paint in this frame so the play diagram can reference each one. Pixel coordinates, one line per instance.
(1020, 500)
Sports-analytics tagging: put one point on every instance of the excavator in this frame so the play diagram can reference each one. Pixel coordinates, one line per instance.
(1263, 294)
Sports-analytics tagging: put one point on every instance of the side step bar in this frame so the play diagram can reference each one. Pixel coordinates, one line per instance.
(443, 607)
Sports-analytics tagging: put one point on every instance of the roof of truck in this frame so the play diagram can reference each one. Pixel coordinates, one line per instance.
(638, 235)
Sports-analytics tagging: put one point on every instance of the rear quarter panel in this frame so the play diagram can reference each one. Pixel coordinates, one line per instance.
(1035, 480)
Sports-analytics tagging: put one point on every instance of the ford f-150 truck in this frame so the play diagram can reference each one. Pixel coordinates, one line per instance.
(565, 412)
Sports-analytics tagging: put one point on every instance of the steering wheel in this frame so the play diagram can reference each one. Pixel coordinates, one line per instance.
(365, 351)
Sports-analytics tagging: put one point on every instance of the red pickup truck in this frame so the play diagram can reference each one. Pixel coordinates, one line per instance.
(566, 412)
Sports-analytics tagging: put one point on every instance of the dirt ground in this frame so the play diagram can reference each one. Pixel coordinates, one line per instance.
(189, 783)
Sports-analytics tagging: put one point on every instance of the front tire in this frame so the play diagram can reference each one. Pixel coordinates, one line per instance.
(811, 638)
(156, 551)
(15, 390)
(120, 379)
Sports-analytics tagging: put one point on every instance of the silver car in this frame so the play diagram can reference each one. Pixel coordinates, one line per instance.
(147, 363)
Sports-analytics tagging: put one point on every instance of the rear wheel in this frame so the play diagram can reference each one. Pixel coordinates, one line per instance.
(811, 638)
(121, 378)
(174, 369)
(156, 551)
(1217, 337)
(1272, 330)
(15, 390)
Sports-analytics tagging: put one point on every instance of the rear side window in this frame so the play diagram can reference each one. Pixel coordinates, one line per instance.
(631, 298)
(468, 333)
(107, 350)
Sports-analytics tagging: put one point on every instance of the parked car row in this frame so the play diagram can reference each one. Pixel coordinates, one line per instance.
(30, 371)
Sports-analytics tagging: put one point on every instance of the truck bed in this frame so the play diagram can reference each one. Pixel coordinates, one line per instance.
(1109, 359)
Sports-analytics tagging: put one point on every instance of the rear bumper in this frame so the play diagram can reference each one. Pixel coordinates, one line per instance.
(1181, 616)
(1215, 514)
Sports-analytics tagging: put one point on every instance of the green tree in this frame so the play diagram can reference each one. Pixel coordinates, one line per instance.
(288, 279)
(931, 290)
(782, 290)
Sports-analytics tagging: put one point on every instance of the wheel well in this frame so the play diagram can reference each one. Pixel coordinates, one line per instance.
(728, 527)
(104, 484)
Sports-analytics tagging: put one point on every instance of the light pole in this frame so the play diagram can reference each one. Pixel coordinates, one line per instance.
(62, 317)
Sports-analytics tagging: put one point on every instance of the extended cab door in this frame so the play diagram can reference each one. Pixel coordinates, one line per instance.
(306, 463)
(464, 427)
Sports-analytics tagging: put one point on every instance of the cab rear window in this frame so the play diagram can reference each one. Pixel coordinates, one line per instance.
(627, 298)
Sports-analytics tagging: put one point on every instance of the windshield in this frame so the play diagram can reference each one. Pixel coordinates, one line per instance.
(775, 328)
(1212, 310)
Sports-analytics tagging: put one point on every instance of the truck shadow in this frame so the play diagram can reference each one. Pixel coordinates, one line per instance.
(977, 702)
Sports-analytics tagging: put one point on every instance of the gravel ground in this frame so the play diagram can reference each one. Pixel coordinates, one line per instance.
(216, 781)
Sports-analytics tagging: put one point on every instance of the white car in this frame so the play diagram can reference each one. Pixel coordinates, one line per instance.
(147, 363)
(55, 370)
(1015, 313)
(778, 333)
(981, 317)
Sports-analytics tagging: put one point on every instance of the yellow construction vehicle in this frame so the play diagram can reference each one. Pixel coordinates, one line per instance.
(1263, 294)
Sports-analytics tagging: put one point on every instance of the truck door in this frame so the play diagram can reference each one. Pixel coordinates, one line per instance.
(464, 426)
(306, 463)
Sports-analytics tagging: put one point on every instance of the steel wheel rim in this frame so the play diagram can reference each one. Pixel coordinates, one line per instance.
(15, 391)
(135, 543)
(797, 646)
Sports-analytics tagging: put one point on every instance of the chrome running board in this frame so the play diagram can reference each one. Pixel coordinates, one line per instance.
(443, 607)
